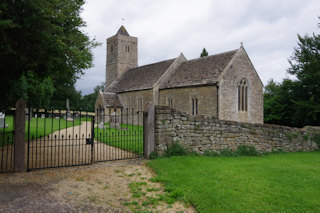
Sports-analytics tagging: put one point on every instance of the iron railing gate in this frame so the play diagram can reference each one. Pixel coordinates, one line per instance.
(57, 138)
(7, 121)
(118, 134)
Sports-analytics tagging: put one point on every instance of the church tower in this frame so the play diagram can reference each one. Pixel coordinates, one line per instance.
(122, 54)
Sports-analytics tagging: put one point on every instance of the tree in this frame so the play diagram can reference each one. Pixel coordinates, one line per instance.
(88, 101)
(42, 40)
(278, 102)
(204, 53)
(305, 65)
(297, 102)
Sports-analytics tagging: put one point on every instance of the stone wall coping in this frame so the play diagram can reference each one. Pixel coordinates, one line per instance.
(160, 109)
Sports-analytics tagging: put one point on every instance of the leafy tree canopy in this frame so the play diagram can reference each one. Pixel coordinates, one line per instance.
(297, 102)
(204, 53)
(42, 40)
(88, 101)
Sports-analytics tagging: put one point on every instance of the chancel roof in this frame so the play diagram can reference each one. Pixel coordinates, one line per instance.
(200, 71)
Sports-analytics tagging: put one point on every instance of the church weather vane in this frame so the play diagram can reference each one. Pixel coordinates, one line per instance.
(122, 20)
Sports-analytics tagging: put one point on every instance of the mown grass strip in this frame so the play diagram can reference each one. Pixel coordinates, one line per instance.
(128, 137)
(288, 182)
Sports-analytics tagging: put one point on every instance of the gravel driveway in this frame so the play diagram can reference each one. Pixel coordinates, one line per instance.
(101, 187)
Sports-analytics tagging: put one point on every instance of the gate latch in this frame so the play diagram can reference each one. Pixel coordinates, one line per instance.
(89, 141)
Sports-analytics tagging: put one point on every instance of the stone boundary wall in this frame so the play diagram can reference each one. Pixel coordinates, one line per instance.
(202, 133)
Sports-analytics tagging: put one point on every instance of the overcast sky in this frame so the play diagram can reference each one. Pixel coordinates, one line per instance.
(268, 29)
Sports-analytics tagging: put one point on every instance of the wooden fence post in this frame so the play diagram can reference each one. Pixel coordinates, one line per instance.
(148, 129)
(19, 137)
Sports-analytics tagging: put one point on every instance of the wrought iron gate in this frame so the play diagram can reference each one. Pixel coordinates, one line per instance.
(59, 138)
(7, 119)
(119, 134)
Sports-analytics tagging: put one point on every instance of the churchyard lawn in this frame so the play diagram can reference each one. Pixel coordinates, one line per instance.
(286, 182)
(39, 127)
(129, 137)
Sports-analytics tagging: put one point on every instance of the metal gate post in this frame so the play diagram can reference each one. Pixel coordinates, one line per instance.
(92, 139)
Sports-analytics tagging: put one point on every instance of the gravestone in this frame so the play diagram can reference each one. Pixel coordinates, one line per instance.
(68, 114)
(43, 116)
(2, 120)
(114, 120)
(101, 125)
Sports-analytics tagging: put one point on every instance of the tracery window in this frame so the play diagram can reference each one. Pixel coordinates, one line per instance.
(194, 106)
(243, 95)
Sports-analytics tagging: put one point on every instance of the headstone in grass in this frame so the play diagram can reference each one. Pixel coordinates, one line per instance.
(101, 125)
(43, 116)
(68, 114)
(114, 120)
(2, 121)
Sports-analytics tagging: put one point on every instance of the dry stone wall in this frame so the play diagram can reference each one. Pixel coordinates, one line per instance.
(202, 133)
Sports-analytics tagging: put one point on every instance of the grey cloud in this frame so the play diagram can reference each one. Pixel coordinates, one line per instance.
(165, 28)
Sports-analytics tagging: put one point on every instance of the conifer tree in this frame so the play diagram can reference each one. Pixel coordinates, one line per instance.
(204, 53)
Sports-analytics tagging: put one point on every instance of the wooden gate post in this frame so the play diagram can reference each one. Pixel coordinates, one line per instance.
(19, 137)
(148, 129)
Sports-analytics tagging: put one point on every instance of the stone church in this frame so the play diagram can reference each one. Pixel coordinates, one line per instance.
(224, 85)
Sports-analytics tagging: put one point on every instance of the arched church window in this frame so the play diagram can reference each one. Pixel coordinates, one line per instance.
(170, 102)
(243, 95)
(127, 48)
(194, 106)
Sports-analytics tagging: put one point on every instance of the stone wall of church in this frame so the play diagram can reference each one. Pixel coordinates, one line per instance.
(201, 133)
(182, 99)
(132, 97)
(241, 68)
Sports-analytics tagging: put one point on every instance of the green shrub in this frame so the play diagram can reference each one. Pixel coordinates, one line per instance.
(154, 155)
(227, 153)
(175, 149)
(243, 150)
(210, 153)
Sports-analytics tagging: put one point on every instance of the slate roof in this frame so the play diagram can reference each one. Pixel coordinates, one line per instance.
(111, 99)
(122, 31)
(200, 71)
(139, 78)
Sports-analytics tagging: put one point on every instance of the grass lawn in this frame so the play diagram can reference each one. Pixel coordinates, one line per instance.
(129, 137)
(288, 182)
(45, 127)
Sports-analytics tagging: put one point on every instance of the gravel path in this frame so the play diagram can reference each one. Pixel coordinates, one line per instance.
(102, 187)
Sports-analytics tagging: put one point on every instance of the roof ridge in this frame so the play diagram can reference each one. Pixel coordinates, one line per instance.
(152, 64)
(201, 58)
